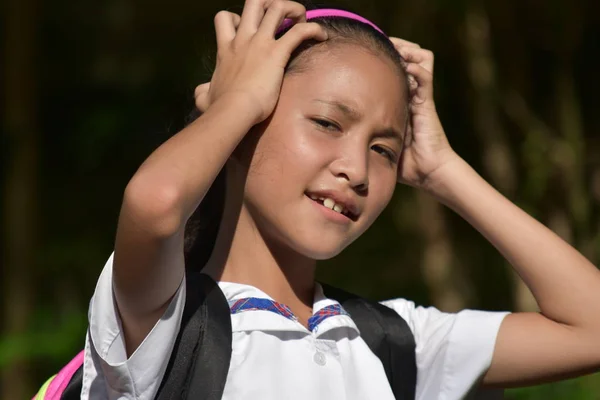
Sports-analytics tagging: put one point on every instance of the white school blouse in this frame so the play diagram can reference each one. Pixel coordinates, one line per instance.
(274, 357)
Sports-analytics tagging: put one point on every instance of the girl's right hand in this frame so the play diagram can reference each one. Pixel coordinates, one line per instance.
(250, 62)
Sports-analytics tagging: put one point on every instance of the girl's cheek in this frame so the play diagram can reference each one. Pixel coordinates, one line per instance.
(313, 145)
(382, 188)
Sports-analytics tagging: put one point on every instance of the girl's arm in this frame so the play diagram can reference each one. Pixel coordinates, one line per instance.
(165, 191)
(149, 260)
(564, 339)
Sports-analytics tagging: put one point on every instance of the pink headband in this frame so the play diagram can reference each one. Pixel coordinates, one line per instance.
(330, 12)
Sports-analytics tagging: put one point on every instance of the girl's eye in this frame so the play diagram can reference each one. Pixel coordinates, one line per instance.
(327, 125)
(391, 156)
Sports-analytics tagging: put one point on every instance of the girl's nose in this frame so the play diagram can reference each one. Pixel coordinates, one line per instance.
(352, 166)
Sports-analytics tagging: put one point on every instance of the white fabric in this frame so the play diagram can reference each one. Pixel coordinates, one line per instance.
(277, 358)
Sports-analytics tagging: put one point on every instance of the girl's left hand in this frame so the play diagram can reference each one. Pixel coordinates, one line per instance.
(426, 148)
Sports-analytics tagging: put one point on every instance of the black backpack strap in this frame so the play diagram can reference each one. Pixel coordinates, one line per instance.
(212, 362)
(73, 389)
(200, 359)
(388, 336)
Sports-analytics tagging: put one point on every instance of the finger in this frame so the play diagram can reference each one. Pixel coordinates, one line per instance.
(202, 102)
(226, 25)
(408, 136)
(421, 75)
(424, 91)
(423, 57)
(201, 89)
(401, 42)
(201, 96)
(277, 12)
(298, 34)
(252, 14)
(412, 83)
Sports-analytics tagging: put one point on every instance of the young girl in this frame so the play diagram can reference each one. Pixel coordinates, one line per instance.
(309, 128)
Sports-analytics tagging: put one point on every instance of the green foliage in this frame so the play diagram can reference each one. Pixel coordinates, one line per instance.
(46, 341)
(112, 81)
(585, 388)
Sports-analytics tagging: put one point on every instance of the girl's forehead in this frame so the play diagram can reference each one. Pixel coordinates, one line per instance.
(350, 65)
(342, 53)
(348, 74)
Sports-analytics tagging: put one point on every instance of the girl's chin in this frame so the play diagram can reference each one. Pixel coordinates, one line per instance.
(321, 250)
(320, 243)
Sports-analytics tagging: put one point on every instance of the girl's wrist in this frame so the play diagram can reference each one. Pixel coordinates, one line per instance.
(448, 177)
(239, 106)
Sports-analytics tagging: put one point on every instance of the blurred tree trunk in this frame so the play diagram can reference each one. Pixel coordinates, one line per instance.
(595, 223)
(482, 73)
(20, 216)
(570, 156)
(497, 160)
(538, 144)
(445, 284)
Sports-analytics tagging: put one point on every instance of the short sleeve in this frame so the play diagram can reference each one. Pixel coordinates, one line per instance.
(107, 372)
(453, 350)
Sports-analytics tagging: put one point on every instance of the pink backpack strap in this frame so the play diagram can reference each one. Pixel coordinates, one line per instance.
(54, 389)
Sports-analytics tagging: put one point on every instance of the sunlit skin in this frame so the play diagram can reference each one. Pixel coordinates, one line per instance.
(312, 144)
(272, 234)
(338, 126)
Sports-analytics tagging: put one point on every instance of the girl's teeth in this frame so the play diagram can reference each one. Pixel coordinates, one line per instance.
(329, 203)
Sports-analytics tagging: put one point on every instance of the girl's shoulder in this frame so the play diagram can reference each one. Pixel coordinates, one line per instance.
(139, 374)
(430, 324)
(452, 349)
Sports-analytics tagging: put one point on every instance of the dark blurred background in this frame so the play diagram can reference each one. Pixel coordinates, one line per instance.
(90, 88)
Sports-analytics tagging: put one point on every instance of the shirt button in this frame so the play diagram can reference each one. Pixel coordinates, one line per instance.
(319, 358)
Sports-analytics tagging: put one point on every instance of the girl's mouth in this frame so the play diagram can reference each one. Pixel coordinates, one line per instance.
(331, 205)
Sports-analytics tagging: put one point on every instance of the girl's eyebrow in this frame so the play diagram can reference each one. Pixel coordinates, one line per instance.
(390, 133)
(348, 111)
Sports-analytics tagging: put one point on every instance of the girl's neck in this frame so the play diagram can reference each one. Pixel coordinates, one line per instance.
(243, 255)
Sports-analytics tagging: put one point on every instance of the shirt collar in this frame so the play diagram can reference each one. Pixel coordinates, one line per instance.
(264, 320)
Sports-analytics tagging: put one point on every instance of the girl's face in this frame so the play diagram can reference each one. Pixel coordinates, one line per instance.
(336, 134)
